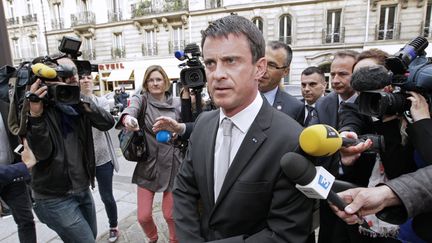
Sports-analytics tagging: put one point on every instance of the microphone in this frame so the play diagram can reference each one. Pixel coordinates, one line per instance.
(43, 71)
(163, 136)
(371, 78)
(323, 140)
(180, 55)
(313, 182)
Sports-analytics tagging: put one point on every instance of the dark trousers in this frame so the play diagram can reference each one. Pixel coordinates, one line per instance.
(16, 196)
(104, 176)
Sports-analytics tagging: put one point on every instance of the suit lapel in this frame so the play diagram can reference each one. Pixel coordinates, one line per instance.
(209, 154)
(278, 103)
(253, 140)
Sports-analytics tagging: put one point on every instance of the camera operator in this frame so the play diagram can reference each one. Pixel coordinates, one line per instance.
(412, 190)
(61, 138)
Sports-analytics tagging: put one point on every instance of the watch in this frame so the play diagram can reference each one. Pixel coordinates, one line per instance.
(32, 97)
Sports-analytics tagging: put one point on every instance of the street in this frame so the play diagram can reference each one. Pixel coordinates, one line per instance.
(125, 195)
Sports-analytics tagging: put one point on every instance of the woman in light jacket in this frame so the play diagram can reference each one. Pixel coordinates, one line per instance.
(157, 172)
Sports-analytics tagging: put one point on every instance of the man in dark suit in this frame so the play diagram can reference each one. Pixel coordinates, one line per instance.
(313, 85)
(15, 194)
(279, 56)
(238, 193)
(332, 228)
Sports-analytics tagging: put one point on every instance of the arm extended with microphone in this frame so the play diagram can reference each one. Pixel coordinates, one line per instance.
(323, 140)
(314, 182)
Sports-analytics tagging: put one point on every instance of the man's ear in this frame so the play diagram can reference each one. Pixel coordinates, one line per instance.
(261, 67)
(286, 71)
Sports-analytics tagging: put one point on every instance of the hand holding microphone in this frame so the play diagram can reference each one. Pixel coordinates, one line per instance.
(314, 182)
(131, 123)
(323, 140)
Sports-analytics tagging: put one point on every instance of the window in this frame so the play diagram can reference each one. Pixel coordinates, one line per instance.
(16, 48)
(114, 13)
(29, 7)
(177, 39)
(34, 50)
(10, 9)
(387, 23)
(285, 29)
(149, 46)
(427, 26)
(333, 30)
(88, 52)
(57, 21)
(213, 3)
(118, 49)
(259, 23)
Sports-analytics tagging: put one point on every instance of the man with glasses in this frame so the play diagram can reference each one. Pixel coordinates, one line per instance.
(279, 56)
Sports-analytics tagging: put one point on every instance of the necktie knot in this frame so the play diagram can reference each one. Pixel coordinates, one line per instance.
(227, 126)
(309, 108)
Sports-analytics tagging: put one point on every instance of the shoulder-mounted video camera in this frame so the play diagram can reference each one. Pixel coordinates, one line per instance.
(51, 72)
(192, 74)
(407, 70)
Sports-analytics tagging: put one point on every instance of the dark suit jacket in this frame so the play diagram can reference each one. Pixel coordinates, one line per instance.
(13, 173)
(257, 202)
(289, 105)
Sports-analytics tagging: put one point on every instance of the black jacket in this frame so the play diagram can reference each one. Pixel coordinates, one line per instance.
(51, 175)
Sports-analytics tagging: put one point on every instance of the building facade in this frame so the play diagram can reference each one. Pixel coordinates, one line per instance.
(125, 36)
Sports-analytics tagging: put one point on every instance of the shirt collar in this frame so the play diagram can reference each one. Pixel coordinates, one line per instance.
(271, 95)
(243, 120)
(349, 100)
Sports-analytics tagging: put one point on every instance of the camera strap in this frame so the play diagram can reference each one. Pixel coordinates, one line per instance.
(17, 118)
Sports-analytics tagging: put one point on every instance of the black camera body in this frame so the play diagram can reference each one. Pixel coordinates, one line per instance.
(51, 72)
(410, 70)
(192, 74)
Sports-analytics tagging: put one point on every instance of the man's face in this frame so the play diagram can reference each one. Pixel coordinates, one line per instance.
(231, 75)
(312, 87)
(69, 63)
(86, 83)
(341, 71)
(276, 69)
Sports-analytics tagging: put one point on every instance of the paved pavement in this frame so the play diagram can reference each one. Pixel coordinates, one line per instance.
(125, 195)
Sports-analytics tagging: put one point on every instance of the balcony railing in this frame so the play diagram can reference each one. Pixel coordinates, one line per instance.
(176, 46)
(115, 16)
(89, 54)
(118, 52)
(425, 30)
(146, 7)
(336, 37)
(285, 39)
(83, 18)
(149, 49)
(391, 33)
(12, 21)
(30, 18)
(57, 24)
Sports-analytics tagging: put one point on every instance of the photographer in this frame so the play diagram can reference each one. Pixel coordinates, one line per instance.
(412, 190)
(61, 138)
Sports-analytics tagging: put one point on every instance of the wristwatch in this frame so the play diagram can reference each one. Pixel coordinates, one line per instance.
(32, 97)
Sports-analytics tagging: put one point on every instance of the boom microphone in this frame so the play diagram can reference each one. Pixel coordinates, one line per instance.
(371, 78)
(43, 71)
(313, 182)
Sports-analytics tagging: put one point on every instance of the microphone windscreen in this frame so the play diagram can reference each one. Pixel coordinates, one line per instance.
(320, 140)
(297, 168)
(42, 70)
(370, 78)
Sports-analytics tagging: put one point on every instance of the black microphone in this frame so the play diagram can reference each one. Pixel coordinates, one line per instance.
(370, 78)
(314, 182)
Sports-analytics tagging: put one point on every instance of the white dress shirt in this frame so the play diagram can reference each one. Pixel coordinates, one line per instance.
(271, 95)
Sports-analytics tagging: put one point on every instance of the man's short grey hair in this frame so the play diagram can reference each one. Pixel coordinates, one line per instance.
(237, 25)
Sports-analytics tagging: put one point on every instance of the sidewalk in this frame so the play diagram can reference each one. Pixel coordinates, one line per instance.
(125, 195)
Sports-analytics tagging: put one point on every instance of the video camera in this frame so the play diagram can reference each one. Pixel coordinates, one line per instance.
(51, 72)
(192, 74)
(409, 70)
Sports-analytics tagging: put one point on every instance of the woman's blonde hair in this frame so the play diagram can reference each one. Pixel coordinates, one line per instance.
(159, 69)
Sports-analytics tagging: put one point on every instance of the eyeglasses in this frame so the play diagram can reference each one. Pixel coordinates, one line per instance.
(274, 66)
